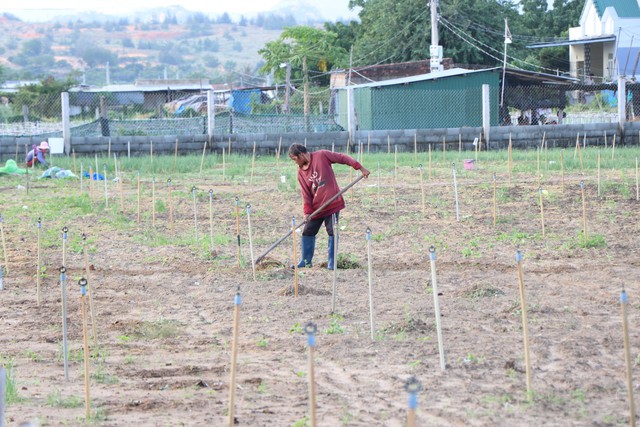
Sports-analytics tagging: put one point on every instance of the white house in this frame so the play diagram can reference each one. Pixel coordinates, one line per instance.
(607, 42)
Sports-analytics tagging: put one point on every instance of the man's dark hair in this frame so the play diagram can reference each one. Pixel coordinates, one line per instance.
(297, 149)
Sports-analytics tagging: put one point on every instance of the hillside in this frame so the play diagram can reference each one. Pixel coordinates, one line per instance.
(138, 49)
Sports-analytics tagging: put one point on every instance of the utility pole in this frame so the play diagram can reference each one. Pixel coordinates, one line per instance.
(435, 50)
(287, 89)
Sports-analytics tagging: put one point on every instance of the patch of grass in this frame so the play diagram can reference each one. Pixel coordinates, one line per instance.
(303, 422)
(11, 385)
(33, 356)
(347, 261)
(163, 328)
(297, 329)
(592, 241)
(56, 400)
(263, 342)
(103, 377)
(514, 236)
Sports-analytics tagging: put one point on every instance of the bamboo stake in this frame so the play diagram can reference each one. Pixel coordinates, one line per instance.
(495, 201)
(151, 152)
(120, 179)
(525, 333)
(224, 166)
(627, 357)
(378, 183)
(613, 146)
(637, 183)
(139, 190)
(562, 170)
(87, 274)
(73, 153)
(395, 162)
(90, 182)
(580, 157)
(575, 151)
(584, 211)
(415, 146)
(541, 211)
(429, 172)
(169, 188)
(311, 329)
(369, 275)
(65, 347)
(238, 227)
(253, 163)
(605, 139)
(87, 404)
(229, 149)
(175, 157)
(153, 201)
(538, 165)
(39, 263)
(388, 143)
(459, 142)
(195, 211)
(444, 148)
(598, 173)
(4, 244)
(253, 265)
(295, 257)
(436, 304)
(106, 194)
(510, 156)
(97, 169)
(204, 150)
(234, 355)
(211, 219)
(3, 389)
(424, 208)
(109, 149)
(368, 142)
(81, 178)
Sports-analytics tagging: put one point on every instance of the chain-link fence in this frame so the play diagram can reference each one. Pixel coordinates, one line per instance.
(437, 103)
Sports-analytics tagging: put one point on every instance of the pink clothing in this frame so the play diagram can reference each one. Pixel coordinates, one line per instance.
(318, 183)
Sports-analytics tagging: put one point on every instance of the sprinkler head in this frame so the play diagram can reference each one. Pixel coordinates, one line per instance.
(210, 193)
(169, 182)
(237, 201)
(413, 386)
(432, 249)
(63, 269)
(193, 188)
(65, 229)
(310, 328)
(82, 282)
(84, 237)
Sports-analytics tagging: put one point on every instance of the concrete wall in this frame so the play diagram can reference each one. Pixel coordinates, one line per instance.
(522, 137)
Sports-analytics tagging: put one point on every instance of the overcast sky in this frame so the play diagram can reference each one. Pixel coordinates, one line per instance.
(41, 10)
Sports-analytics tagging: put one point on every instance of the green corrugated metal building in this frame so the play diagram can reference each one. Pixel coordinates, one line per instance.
(449, 99)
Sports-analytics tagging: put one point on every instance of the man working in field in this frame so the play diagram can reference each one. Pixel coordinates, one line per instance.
(318, 184)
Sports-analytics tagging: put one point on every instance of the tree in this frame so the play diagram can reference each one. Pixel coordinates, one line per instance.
(319, 47)
(43, 100)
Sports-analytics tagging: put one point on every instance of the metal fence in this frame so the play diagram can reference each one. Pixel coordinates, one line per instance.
(273, 110)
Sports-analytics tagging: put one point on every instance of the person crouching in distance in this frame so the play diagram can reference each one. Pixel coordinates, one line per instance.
(38, 154)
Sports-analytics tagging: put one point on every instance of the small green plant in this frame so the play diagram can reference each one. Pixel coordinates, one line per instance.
(11, 386)
(263, 342)
(471, 250)
(103, 377)
(296, 329)
(301, 374)
(33, 356)
(592, 241)
(262, 388)
(303, 422)
(334, 326)
(347, 261)
(472, 359)
(128, 359)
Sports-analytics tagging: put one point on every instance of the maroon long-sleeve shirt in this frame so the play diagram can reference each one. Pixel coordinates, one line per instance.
(318, 183)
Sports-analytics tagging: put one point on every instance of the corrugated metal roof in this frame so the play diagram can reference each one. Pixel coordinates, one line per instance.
(140, 88)
(624, 8)
(584, 40)
(453, 72)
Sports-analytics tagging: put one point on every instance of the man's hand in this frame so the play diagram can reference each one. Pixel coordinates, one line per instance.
(365, 172)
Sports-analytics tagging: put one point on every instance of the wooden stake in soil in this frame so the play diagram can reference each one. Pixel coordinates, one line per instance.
(627, 358)
(444, 148)
(541, 211)
(334, 219)
(153, 201)
(429, 169)
(388, 143)
(3, 389)
(613, 146)
(238, 228)
(413, 387)
(637, 182)
(369, 275)
(436, 305)
(253, 265)
(211, 219)
(415, 146)
(139, 190)
(120, 179)
(151, 153)
(65, 230)
(253, 163)
(455, 188)
(175, 157)
(39, 263)
(598, 173)
(169, 189)
(378, 183)
(83, 292)
(510, 156)
(584, 212)
(424, 208)
(395, 162)
(229, 149)
(224, 166)
(295, 257)
(87, 273)
(90, 182)
(310, 329)
(575, 151)
(495, 201)
(562, 170)
(106, 193)
(75, 170)
(4, 244)
(204, 150)
(525, 333)
(97, 169)
(65, 347)
(195, 211)
(234, 355)
(459, 142)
